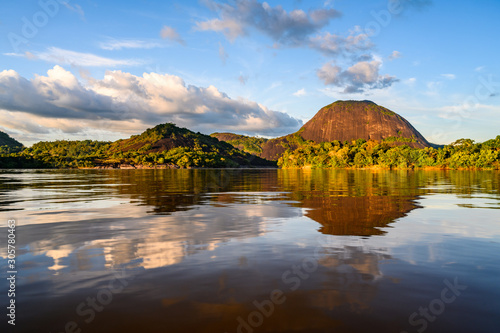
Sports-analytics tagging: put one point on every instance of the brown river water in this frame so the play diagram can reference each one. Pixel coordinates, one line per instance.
(249, 250)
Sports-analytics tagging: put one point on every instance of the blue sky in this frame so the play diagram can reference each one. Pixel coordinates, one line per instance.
(108, 69)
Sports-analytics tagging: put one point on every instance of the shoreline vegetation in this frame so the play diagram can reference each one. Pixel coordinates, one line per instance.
(463, 154)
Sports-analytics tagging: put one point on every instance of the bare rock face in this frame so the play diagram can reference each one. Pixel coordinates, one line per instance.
(351, 120)
(347, 121)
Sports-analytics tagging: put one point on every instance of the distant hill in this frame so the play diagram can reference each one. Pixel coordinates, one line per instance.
(249, 144)
(9, 144)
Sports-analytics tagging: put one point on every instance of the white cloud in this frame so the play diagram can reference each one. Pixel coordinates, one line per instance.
(123, 100)
(449, 76)
(329, 73)
(118, 44)
(12, 54)
(232, 29)
(171, 34)
(300, 92)
(27, 55)
(331, 44)
(410, 82)
(60, 56)
(395, 55)
(357, 78)
(365, 71)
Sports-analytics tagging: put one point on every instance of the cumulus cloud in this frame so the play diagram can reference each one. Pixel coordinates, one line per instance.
(136, 102)
(357, 78)
(171, 34)
(57, 95)
(329, 73)
(118, 44)
(287, 28)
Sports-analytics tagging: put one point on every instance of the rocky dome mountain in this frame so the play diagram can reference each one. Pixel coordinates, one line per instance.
(347, 121)
(351, 120)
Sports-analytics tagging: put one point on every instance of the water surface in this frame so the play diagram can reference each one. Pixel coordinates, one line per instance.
(253, 250)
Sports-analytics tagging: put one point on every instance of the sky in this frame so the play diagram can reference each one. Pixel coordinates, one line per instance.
(105, 70)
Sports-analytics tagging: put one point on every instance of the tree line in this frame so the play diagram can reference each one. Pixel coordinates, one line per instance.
(461, 154)
(202, 153)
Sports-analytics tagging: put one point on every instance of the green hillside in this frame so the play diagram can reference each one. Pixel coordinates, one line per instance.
(249, 144)
(8, 144)
(164, 146)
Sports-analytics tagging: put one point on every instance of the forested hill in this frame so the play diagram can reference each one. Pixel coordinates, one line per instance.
(164, 146)
(167, 143)
(8, 144)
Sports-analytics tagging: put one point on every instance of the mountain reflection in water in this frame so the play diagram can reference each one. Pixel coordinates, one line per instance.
(198, 249)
